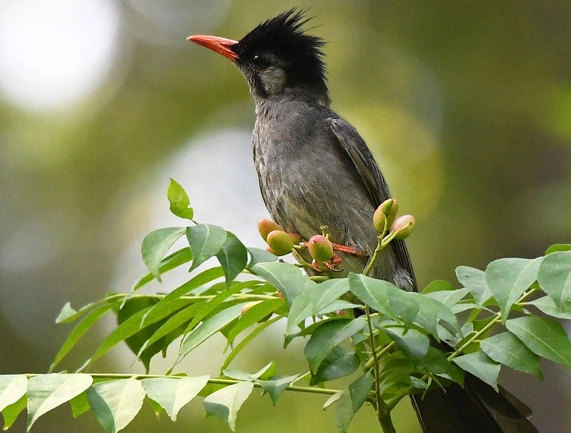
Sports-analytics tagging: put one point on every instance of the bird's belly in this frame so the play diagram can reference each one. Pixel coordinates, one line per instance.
(307, 193)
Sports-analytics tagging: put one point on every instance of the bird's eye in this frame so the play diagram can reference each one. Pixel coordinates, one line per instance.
(258, 60)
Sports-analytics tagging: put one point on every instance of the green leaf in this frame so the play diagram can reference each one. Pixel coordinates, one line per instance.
(275, 386)
(456, 299)
(351, 400)
(205, 241)
(254, 315)
(544, 337)
(258, 255)
(169, 263)
(208, 328)
(327, 293)
(134, 324)
(481, 366)
(315, 299)
(80, 329)
(431, 313)
(547, 305)
(196, 285)
(11, 412)
(437, 363)
(554, 276)
(66, 313)
(233, 257)
(437, 286)
(475, 281)
(509, 278)
(412, 342)
(69, 314)
(173, 327)
(508, 350)
(48, 391)
(12, 388)
(339, 363)
(401, 306)
(173, 394)
(79, 404)
(138, 339)
(266, 372)
(247, 339)
(226, 402)
(156, 244)
(329, 335)
(333, 399)
(378, 294)
(116, 402)
(450, 298)
(213, 305)
(558, 247)
(287, 278)
(179, 201)
(395, 377)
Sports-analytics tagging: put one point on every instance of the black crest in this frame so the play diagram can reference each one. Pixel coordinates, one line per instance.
(284, 37)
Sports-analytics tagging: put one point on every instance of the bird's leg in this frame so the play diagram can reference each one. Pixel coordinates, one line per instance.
(354, 251)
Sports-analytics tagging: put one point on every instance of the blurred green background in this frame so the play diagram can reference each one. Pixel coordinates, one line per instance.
(466, 106)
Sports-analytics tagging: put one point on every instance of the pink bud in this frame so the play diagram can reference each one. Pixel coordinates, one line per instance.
(403, 226)
(320, 248)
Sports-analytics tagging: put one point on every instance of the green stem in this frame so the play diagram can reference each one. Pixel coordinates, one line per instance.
(495, 319)
(369, 364)
(382, 243)
(387, 423)
(383, 411)
(375, 365)
(300, 259)
(216, 381)
(374, 257)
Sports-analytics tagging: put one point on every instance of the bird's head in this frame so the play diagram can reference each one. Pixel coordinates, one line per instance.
(277, 58)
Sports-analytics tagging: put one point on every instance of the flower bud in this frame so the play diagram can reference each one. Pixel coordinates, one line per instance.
(280, 242)
(265, 226)
(390, 208)
(249, 305)
(295, 238)
(403, 226)
(379, 219)
(320, 248)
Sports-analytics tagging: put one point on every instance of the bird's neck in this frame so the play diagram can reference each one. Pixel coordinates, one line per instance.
(312, 96)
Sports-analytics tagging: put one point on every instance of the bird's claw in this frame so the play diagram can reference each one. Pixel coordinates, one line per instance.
(331, 265)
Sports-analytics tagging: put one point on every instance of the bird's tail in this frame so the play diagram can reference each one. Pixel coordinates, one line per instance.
(476, 408)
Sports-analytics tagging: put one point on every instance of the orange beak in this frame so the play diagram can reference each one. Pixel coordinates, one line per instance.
(215, 43)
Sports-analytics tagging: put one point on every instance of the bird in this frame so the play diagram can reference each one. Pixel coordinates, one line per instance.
(314, 169)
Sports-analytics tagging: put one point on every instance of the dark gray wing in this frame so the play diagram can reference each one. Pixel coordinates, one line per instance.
(374, 181)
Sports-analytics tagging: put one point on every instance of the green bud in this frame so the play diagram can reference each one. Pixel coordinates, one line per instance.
(403, 226)
(265, 226)
(379, 219)
(320, 248)
(390, 207)
(280, 242)
(249, 305)
(295, 238)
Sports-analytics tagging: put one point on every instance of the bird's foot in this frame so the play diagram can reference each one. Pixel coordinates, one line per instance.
(331, 265)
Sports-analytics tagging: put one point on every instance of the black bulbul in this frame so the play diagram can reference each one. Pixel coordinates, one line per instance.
(314, 169)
